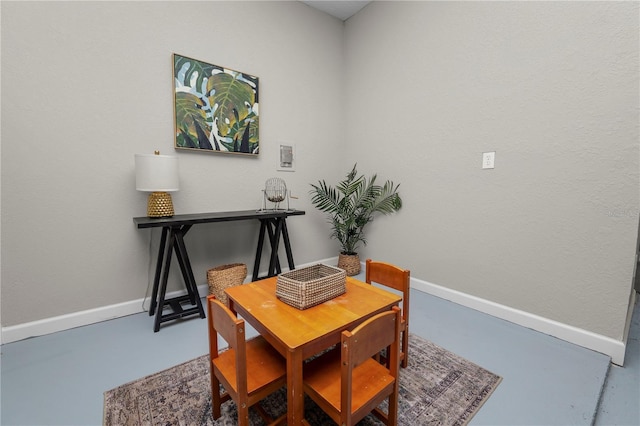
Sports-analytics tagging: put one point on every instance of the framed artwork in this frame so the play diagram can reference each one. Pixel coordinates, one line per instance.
(216, 108)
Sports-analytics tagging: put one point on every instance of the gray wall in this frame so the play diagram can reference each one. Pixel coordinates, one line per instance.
(86, 85)
(552, 87)
(414, 91)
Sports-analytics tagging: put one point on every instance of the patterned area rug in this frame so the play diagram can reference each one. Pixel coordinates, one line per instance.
(437, 388)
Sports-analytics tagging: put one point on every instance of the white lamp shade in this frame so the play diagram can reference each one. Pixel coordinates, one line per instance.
(156, 173)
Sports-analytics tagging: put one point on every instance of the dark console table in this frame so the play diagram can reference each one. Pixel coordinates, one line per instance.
(272, 222)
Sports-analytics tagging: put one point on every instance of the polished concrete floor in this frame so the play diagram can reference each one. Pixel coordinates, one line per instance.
(59, 379)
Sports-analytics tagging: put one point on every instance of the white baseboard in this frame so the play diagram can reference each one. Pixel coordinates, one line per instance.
(611, 347)
(91, 316)
(596, 342)
(65, 322)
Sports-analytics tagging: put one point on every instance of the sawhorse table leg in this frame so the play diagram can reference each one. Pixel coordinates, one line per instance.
(174, 241)
(274, 227)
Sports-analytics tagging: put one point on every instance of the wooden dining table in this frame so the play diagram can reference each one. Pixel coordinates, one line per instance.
(299, 334)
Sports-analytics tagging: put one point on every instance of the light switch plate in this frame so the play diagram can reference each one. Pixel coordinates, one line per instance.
(286, 157)
(488, 160)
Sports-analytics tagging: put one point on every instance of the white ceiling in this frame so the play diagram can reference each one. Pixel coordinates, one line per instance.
(342, 10)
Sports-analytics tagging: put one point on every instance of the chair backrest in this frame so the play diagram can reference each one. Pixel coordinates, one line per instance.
(223, 322)
(359, 345)
(370, 337)
(391, 276)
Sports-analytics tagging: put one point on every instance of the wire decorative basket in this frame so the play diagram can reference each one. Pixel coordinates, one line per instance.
(310, 286)
(275, 191)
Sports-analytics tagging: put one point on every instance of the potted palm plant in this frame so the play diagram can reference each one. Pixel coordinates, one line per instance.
(350, 206)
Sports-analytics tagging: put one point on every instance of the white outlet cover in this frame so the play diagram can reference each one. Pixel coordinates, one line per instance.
(488, 160)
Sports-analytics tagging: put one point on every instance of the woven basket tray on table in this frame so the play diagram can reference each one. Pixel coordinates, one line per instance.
(225, 276)
(306, 287)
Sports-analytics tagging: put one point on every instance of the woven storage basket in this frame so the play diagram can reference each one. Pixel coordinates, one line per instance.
(225, 276)
(306, 287)
(350, 263)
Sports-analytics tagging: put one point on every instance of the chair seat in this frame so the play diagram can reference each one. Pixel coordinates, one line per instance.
(322, 377)
(264, 365)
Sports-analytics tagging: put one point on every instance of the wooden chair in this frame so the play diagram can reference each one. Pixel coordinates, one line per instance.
(398, 279)
(249, 370)
(347, 383)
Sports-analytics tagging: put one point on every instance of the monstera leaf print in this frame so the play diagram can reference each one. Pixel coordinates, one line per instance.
(233, 101)
(216, 108)
(191, 116)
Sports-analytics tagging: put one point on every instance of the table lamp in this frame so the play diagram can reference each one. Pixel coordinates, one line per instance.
(157, 174)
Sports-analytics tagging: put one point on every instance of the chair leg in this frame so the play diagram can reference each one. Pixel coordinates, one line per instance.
(243, 414)
(392, 413)
(216, 400)
(405, 349)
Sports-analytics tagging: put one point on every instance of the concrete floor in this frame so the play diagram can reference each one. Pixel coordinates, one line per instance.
(59, 379)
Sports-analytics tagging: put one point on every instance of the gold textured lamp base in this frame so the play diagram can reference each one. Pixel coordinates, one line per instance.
(160, 205)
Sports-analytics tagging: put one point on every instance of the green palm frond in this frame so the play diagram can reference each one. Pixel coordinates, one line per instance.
(352, 204)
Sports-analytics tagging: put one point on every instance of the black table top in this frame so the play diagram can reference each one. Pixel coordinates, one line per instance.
(194, 218)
